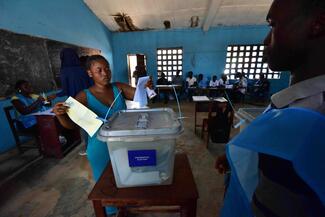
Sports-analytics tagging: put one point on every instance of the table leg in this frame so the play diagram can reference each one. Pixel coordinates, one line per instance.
(99, 209)
(188, 209)
(196, 105)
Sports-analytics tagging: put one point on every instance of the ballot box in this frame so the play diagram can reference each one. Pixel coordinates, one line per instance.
(141, 145)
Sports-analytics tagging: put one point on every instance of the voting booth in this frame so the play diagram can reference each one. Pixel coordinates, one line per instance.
(141, 144)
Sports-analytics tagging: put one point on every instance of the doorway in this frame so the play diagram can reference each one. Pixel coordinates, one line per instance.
(133, 61)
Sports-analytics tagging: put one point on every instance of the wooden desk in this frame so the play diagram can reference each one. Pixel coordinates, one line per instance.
(49, 131)
(180, 196)
(168, 89)
(204, 105)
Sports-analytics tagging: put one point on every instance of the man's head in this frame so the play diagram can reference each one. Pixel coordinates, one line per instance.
(297, 31)
(162, 75)
(238, 75)
(262, 76)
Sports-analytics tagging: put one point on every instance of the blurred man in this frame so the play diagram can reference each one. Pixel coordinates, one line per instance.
(277, 166)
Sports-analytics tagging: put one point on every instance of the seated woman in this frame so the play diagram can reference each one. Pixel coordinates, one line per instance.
(98, 98)
(25, 103)
(261, 88)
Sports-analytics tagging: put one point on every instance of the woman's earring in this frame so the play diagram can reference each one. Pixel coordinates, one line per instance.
(19, 91)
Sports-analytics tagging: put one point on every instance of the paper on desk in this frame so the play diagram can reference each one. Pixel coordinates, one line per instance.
(229, 86)
(220, 99)
(83, 116)
(200, 98)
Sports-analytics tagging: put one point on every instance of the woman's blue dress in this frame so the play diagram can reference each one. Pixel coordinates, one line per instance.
(97, 151)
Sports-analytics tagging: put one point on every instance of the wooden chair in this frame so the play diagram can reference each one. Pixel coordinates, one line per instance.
(13, 123)
(205, 123)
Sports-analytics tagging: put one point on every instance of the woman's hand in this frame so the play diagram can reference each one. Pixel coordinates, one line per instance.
(60, 108)
(149, 83)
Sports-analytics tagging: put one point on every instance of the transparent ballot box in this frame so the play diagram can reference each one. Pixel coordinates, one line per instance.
(141, 145)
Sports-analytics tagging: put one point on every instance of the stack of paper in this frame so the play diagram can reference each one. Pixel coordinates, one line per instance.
(200, 98)
(220, 99)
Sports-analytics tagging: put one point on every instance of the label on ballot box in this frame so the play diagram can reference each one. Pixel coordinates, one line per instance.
(140, 158)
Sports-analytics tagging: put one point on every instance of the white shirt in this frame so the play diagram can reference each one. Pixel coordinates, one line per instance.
(307, 94)
(221, 82)
(214, 83)
(190, 81)
(242, 85)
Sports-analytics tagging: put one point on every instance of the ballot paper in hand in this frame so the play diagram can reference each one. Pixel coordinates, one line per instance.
(82, 116)
(141, 92)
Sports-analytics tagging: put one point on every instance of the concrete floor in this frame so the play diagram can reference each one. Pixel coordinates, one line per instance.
(59, 188)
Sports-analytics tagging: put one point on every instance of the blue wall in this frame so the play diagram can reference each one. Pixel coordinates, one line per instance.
(71, 21)
(204, 52)
(68, 21)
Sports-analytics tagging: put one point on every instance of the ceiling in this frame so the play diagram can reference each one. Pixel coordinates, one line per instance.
(151, 14)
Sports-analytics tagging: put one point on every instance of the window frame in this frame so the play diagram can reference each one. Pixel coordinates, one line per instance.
(169, 62)
(247, 59)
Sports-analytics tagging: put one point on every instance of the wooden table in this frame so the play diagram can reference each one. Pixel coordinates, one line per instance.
(181, 196)
(168, 89)
(49, 130)
(205, 104)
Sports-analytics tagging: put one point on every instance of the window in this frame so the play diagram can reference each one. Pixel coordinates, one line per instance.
(173, 61)
(247, 59)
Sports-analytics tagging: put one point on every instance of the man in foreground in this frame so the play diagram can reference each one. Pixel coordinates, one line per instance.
(277, 162)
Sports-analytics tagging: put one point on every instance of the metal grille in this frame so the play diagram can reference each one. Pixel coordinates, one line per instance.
(247, 59)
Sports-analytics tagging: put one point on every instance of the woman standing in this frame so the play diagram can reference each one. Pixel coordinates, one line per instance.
(98, 98)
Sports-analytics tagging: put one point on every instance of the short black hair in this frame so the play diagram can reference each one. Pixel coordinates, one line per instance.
(19, 83)
(94, 58)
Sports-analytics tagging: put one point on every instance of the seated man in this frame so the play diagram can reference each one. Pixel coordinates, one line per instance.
(223, 81)
(163, 81)
(178, 80)
(190, 84)
(240, 87)
(262, 87)
(202, 83)
(214, 83)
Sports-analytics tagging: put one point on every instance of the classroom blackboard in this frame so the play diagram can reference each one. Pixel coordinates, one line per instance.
(31, 58)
